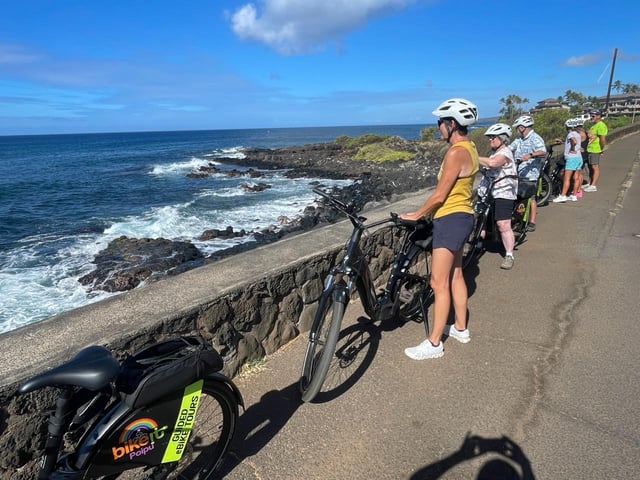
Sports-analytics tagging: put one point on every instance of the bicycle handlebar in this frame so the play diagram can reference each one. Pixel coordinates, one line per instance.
(334, 201)
(405, 223)
(349, 211)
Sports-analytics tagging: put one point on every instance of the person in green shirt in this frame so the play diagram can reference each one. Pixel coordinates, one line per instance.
(597, 140)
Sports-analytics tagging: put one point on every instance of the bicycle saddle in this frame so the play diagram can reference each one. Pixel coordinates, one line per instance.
(92, 368)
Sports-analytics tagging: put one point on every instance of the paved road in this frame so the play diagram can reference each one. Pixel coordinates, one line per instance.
(548, 385)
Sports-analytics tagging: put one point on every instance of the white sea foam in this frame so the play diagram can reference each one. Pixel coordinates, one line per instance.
(36, 285)
(180, 167)
(234, 152)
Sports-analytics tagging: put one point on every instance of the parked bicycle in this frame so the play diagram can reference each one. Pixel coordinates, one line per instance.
(405, 296)
(484, 227)
(164, 412)
(550, 181)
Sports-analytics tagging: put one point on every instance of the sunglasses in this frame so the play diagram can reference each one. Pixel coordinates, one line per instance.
(441, 121)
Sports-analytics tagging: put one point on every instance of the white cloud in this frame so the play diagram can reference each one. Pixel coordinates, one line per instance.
(14, 54)
(581, 60)
(299, 26)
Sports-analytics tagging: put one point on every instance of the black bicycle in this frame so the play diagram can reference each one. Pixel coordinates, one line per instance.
(550, 181)
(405, 296)
(164, 412)
(484, 227)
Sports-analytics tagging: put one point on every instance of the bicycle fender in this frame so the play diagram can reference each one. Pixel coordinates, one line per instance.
(220, 378)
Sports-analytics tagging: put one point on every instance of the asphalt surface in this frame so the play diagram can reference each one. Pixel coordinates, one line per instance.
(547, 388)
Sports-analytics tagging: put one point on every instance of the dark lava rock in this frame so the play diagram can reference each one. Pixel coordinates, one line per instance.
(126, 262)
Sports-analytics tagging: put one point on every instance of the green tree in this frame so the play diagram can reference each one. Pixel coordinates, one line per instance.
(513, 107)
(576, 101)
(631, 88)
(549, 124)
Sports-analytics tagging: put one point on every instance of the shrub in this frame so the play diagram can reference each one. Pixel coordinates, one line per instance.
(428, 133)
(379, 152)
(357, 142)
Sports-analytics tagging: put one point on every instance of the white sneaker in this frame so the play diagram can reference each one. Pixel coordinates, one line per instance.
(560, 199)
(589, 188)
(424, 351)
(573, 198)
(460, 335)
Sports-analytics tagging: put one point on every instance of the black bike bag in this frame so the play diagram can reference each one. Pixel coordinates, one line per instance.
(162, 368)
(527, 188)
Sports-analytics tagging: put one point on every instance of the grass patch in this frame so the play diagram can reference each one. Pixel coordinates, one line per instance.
(252, 368)
(379, 152)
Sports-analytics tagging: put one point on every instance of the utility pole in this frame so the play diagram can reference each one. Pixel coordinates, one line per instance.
(613, 67)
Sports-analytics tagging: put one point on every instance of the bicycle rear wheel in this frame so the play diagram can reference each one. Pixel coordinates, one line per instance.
(520, 221)
(414, 289)
(544, 190)
(473, 246)
(323, 339)
(208, 442)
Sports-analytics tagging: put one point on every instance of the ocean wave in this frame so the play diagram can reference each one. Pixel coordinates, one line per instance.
(192, 165)
(234, 152)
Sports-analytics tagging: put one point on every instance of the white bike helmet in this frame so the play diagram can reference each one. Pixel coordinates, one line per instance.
(579, 121)
(523, 120)
(498, 129)
(570, 123)
(462, 111)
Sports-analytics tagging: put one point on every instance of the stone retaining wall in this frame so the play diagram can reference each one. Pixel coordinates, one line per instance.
(250, 321)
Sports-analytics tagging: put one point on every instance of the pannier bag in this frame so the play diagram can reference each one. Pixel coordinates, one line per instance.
(165, 367)
(527, 188)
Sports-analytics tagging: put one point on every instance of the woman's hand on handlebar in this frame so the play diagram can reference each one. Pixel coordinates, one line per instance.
(411, 216)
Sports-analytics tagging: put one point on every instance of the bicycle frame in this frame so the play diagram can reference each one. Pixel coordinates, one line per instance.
(483, 208)
(355, 268)
(354, 273)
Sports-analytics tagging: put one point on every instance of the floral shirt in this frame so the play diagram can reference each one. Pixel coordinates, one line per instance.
(504, 187)
(529, 169)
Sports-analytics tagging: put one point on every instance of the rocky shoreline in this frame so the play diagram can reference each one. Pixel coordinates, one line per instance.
(128, 262)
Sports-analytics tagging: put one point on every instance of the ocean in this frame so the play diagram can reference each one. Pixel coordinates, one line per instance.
(63, 198)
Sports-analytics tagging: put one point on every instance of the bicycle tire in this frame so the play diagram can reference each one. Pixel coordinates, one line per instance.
(414, 288)
(472, 246)
(519, 225)
(545, 190)
(317, 358)
(208, 442)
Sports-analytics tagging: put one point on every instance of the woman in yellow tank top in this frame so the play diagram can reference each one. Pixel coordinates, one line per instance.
(450, 205)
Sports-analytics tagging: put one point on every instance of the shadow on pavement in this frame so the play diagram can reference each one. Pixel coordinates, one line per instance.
(259, 424)
(511, 464)
(356, 349)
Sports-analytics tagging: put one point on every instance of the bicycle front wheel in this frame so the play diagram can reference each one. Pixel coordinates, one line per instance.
(208, 442)
(323, 339)
(414, 289)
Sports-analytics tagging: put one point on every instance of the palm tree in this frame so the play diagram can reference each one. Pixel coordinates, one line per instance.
(513, 106)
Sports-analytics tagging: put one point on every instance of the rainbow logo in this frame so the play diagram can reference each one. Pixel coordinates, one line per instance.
(141, 425)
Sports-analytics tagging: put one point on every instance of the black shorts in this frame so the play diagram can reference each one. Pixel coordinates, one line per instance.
(503, 208)
(452, 231)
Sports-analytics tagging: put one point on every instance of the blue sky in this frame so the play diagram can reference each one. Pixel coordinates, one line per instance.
(103, 66)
